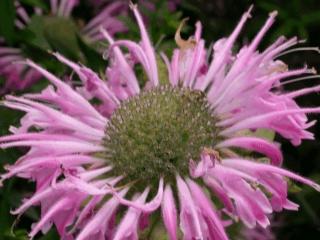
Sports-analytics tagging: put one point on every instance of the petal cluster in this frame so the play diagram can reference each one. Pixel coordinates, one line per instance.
(64, 132)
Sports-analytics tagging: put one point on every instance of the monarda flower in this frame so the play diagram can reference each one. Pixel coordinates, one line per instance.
(110, 159)
(55, 28)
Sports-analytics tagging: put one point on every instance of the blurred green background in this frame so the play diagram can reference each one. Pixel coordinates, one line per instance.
(296, 18)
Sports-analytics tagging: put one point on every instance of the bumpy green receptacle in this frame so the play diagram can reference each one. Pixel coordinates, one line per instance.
(157, 132)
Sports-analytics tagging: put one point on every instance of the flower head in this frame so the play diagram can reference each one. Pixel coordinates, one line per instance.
(109, 156)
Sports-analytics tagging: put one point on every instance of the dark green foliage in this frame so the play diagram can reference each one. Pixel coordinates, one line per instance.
(7, 17)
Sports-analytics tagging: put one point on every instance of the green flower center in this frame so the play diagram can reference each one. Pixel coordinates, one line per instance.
(156, 133)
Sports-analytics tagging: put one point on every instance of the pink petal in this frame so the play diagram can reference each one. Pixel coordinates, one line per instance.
(169, 213)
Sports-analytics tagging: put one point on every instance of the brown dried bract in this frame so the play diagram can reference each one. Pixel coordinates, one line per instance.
(182, 43)
(212, 152)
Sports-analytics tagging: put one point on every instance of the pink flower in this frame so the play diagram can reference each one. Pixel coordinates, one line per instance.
(19, 77)
(104, 168)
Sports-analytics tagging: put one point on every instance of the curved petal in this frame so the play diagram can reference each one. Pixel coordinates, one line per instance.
(215, 226)
(129, 224)
(190, 222)
(146, 207)
(169, 213)
(256, 144)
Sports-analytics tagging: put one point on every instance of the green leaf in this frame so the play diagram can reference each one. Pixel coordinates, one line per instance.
(6, 217)
(94, 59)
(61, 34)
(20, 234)
(35, 3)
(42, 56)
(261, 133)
(7, 17)
(35, 30)
(54, 33)
(313, 17)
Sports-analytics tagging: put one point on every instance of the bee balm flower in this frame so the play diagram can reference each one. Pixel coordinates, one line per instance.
(107, 168)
